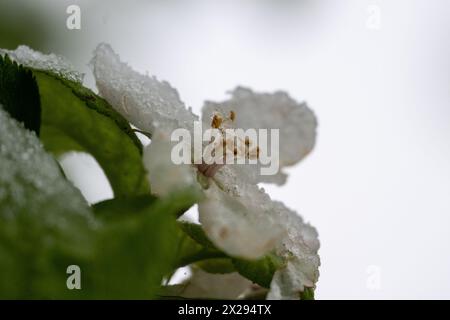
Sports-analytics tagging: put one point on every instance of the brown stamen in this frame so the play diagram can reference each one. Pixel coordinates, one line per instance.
(216, 121)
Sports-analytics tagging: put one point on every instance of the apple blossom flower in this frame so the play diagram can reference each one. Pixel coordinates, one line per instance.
(236, 214)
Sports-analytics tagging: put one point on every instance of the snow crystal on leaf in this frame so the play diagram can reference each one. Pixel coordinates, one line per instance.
(147, 103)
(48, 62)
(31, 181)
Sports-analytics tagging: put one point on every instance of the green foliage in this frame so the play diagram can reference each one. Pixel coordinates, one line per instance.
(136, 247)
(307, 294)
(195, 231)
(123, 251)
(259, 271)
(116, 209)
(45, 224)
(124, 246)
(189, 249)
(75, 119)
(19, 94)
(217, 265)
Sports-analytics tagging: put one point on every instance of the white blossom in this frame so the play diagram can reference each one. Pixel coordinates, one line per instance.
(236, 214)
(204, 285)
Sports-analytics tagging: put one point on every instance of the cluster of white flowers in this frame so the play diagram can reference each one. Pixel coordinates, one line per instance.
(235, 213)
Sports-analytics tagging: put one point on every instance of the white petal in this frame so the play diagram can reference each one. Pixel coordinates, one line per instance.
(288, 282)
(48, 62)
(299, 250)
(165, 176)
(296, 122)
(214, 286)
(147, 103)
(243, 221)
(252, 174)
(240, 221)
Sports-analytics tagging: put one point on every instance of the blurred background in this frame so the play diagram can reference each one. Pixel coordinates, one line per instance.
(377, 75)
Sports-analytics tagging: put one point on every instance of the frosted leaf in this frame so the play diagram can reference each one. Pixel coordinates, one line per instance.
(48, 62)
(146, 102)
(31, 182)
(165, 176)
(296, 122)
(240, 221)
(203, 285)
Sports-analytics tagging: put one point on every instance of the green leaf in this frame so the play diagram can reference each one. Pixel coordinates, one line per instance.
(144, 231)
(195, 231)
(307, 294)
(116, 209)
(19, 94)
(217, 265)
(189, 251)
(259, 271)
(193, 245)
(45, 224)
(136, 247)
(75, 119)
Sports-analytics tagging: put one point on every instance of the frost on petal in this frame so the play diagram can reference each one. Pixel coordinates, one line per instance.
(291, 280)
(252, 173)
(164, 175)
(299, 250)
(48, 62)
(203, 285)
(146, 102)
(296, 122)
(240, 220)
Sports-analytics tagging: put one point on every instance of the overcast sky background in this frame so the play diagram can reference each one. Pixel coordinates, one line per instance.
(377, 185)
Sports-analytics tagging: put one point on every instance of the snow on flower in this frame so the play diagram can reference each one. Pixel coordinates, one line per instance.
(237, 215)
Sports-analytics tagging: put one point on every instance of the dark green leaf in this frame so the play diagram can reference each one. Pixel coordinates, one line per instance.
(46, 226)
(19, 94)
(119, 208)
(217, 265)
(75, 119)
(136, 247)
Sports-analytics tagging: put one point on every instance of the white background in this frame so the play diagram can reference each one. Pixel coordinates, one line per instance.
(377, 185)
